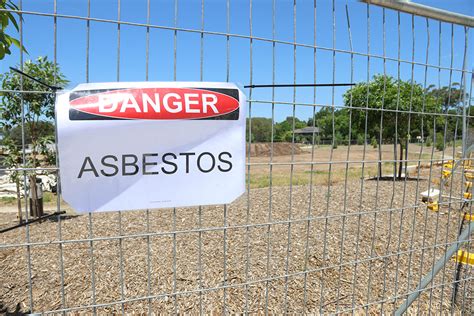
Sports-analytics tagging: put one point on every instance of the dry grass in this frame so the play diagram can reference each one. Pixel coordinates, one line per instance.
(343, 165)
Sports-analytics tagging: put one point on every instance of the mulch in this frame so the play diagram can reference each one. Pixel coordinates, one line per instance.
(359, 249)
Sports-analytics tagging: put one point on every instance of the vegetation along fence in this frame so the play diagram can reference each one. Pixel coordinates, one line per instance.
(359, 188)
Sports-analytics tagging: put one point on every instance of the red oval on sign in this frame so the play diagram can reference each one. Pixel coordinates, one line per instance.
(156, 103)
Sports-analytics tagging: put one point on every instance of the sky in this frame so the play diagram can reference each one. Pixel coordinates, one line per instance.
(120, 53)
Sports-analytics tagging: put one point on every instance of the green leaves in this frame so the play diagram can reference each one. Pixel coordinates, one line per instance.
(13, 159)
(6, 18)
(282, 132)
(397, 103)
(387, 105)
(38, 106)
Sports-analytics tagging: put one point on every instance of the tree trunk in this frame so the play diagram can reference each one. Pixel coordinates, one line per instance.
(34, 197)
(400, 162)
(406, 157)
(18, 199)
(380, 158)
(394, 159)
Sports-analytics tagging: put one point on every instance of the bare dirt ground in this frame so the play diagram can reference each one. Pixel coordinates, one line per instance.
(359, 162)
(276, 149)
(357, 153)
(361, 245)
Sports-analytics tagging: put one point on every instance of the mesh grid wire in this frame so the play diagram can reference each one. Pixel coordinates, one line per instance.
(316, 232)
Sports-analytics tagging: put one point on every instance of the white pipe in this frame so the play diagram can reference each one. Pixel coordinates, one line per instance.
(426, 11)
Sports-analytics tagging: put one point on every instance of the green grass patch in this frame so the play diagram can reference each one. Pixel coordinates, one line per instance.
(316, 172)
(277, 180)
(48, 197)
(7, 200)
(316, 177)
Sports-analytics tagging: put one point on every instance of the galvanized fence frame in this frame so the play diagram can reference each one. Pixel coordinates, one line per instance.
(446, 246)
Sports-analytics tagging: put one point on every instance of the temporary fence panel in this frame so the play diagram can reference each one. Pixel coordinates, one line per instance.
(322, 228)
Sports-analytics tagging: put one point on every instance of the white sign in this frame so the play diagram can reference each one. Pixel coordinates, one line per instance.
(125, 146)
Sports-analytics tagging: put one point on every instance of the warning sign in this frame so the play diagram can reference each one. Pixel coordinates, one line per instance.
(125, 146)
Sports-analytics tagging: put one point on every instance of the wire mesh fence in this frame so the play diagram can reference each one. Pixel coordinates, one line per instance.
(324, 227)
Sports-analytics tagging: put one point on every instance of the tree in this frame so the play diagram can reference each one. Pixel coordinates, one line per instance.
(261, 129)
(450, 100)
(45, 129)
(37, 109)
(448, 97)
(402, 101)
(12, 160)
(324, 121)
(284, 130)
(5, 18)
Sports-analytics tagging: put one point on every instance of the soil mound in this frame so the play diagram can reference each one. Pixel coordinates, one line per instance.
(279, 149)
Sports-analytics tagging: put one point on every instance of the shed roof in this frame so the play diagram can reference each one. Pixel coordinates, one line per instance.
(307, 130)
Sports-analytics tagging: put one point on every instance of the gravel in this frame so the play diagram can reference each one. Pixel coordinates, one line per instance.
(399, 237)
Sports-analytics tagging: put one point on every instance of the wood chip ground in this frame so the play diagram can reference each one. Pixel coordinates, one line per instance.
(359, 250)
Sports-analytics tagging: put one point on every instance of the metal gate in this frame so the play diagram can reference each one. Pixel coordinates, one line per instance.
(328, 224)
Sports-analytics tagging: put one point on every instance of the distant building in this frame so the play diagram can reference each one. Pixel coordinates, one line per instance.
(309, 130)
(305, 134)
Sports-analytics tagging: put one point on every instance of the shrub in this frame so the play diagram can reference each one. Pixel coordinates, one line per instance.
(373, 142)
(338, 140)
(429, 142)
(440, 145)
